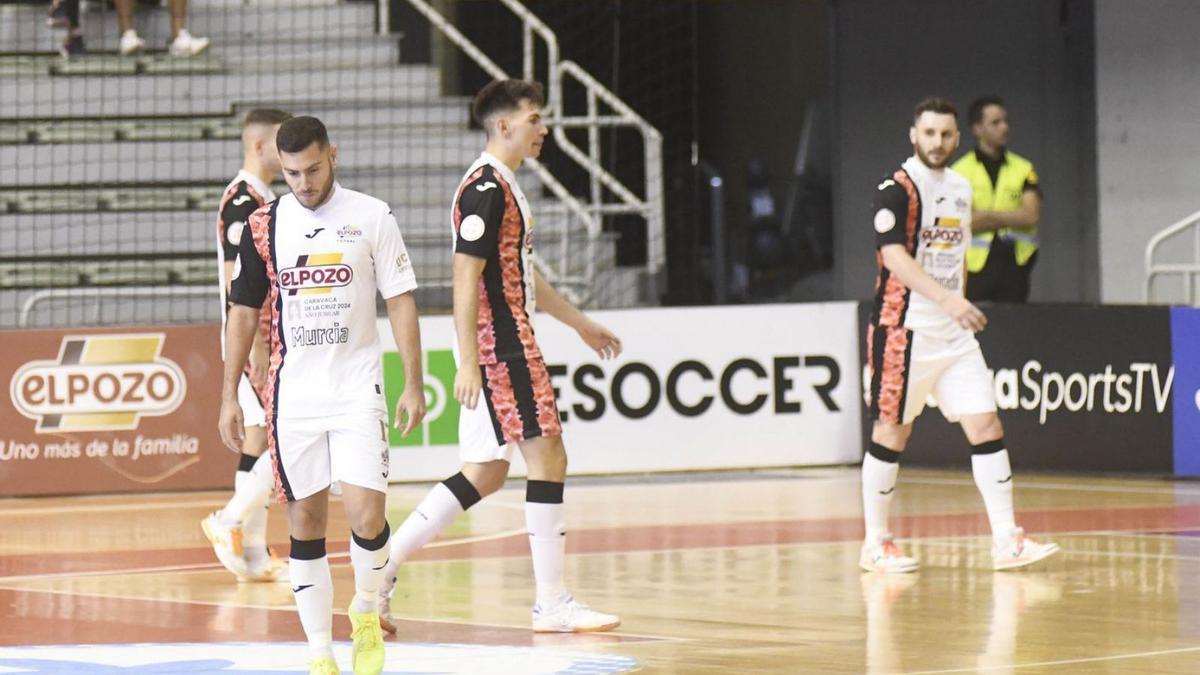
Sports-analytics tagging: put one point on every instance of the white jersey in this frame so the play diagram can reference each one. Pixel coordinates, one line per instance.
(928, 212)
(319, 272)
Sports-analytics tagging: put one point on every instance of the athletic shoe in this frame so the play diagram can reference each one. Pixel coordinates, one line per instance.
(572, 617)
(368, 642)
(385, 607)
(1019, 551)
(226, 543)
(263, 568)
(185, 45)
(131, 43)
(72, 46)
(885, 556)
(324, 666)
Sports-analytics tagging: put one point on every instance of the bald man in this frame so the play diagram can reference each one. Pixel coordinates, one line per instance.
(238, 530)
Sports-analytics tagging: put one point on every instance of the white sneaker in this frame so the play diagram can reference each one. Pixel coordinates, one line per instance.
(572, 617)
(385, 606)
(131, 43)
(1019, 551)
(226, 543)
(185, 45)
(885, 556)
(263, 567)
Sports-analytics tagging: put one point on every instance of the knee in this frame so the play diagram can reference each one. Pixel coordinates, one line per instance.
(547, 460)
(486, 478)
(893, 437)
(305, 524)
(983, 429)
(368, 525)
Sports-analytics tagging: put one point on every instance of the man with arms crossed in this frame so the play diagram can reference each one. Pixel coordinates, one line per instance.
(238, 531)
(921, 342)
(502, 381)
(317, 257)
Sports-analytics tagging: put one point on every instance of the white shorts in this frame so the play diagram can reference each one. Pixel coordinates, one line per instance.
(516, 404)
(905, 370)
(314, 453)
(252, 409)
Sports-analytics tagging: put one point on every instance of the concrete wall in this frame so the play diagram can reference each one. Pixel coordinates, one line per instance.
(1036, 54)
(1148, 133)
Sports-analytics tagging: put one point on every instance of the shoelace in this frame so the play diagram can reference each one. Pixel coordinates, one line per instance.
(364, 636)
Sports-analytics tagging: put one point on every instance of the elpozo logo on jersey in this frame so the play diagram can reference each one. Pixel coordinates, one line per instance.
(316, 274)
(99, 383)
(945, 233)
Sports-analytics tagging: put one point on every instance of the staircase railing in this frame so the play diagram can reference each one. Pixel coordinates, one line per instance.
(650, 207)
(1187, 270)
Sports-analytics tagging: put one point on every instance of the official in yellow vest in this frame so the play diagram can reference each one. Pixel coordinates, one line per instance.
(1007, 205)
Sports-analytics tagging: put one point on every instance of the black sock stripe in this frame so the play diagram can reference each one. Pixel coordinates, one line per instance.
(883, 454)
(246, 462)
(379, 541)
(308, 549)
(463, 490)
(543, 492)
(988, 447)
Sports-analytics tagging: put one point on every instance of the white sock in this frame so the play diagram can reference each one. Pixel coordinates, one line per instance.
(547, 545)
(368, 556)
(434, 514)
(261, 483)
(312, 584)
(993, 477)
(251, 492)
(878, 488)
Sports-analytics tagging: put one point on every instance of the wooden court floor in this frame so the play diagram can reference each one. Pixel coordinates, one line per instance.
(730, 573)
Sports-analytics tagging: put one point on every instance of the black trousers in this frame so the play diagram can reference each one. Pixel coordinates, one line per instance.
(1001, 279)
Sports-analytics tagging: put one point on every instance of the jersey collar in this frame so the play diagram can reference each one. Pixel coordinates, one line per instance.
(256, 183)
(917, 169)
(505, 172)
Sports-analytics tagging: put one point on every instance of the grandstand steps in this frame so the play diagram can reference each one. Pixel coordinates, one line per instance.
(107, 156)
(175, 161)
(407, 187)
(154, 95)
(266, 57)
(149, 232)
(23, 27)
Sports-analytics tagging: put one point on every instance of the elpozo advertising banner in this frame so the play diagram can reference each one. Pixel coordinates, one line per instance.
(1084, 388)
(111, 410)
(702, 388)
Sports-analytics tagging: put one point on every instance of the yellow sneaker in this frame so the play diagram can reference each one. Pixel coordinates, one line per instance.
(324, 666)
(368, 642)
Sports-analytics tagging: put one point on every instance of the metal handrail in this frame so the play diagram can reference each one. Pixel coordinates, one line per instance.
(99, 293)
(651, 208)
(1189, 271)
(578, 288)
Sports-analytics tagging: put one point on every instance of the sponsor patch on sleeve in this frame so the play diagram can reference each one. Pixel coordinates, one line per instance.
(885, 220)
(471, 228)
(233, 233)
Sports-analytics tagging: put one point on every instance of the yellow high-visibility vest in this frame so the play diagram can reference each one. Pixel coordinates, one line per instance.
(1005, 196)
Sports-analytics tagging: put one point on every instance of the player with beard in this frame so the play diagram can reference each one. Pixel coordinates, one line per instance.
(921, 343)
(317, 257)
